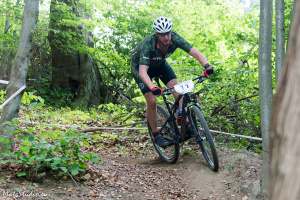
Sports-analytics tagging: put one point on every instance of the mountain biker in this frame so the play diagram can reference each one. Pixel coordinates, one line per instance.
(149, 60)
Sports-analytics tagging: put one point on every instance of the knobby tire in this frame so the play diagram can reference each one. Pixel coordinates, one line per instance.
(203, 137)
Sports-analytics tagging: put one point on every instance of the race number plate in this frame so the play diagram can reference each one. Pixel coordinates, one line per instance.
(184, 87)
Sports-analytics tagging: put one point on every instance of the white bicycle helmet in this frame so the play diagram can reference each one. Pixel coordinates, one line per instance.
(162, 25)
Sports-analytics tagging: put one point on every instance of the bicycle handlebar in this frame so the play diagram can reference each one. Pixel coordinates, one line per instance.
(199, 79)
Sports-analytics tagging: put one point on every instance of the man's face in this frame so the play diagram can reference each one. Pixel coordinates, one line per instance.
(164, 38)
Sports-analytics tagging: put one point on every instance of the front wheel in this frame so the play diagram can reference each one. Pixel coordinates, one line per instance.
(203, 137)
(170, 153)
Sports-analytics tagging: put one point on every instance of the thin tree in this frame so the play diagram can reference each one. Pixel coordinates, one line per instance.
(284, 135)
(280, 46)
(265, 83)
(20, 64)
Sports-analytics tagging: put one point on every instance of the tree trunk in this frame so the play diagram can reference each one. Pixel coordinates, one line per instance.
(280, 47)
(20, 64)
(265, 83)
(7, 25)
(73, 69)
(285, 138)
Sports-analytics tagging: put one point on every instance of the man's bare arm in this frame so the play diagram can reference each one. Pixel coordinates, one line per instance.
(198, 56)
(144, 75)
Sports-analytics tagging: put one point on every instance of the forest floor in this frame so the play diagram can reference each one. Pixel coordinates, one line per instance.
(131, 169)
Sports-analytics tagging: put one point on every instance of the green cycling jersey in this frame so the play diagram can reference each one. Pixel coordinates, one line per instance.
(146, 53)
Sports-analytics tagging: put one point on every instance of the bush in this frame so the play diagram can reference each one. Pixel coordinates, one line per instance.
(2, 96)
(28, 98)
(54, 151)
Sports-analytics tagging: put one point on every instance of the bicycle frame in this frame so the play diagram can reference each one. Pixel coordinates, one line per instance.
(186, 98)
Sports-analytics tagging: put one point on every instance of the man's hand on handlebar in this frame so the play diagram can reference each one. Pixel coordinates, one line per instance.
(157, 91)
(208, 70)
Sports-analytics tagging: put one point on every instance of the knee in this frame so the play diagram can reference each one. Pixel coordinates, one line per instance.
(172, 83)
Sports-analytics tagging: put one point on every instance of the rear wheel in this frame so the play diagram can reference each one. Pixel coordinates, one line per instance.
(203, 137)
(170, 153)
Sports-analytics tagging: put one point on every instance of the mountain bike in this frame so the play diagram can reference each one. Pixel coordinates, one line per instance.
(193, 123)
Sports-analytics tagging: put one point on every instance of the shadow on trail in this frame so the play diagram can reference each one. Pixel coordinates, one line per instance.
(184, 161)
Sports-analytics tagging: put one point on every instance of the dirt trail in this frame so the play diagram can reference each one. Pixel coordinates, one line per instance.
(197, 180)
(137, 173)
(146, 177)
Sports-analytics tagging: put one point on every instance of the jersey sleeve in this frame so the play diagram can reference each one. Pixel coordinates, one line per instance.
(181, 42)
(144, 55)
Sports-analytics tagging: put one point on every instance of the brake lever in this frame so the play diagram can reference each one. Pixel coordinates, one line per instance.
(168, 91)
(199, 79)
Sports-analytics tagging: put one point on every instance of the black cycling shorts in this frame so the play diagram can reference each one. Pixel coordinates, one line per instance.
(163, 71)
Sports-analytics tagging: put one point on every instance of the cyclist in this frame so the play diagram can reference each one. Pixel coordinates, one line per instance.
(149, 60)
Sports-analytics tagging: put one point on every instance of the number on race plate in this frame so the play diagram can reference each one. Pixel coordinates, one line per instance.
(184, 87)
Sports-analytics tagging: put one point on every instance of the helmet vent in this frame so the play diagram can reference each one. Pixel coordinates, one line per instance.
(162, 25)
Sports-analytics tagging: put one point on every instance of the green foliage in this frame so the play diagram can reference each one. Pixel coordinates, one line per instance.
(288, 16)
(2, 96)
(120, 26)
(57, 151)
(11, 12)
(64, 32)
(56, 96)
(105, 138)
(39, 71)
(53, 117)
(236, 101)
(117, 114)
(28, 98)
(50, 117)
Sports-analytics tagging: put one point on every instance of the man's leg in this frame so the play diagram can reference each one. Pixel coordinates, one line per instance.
(150, 99)
(151, 111)
(151, 117)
